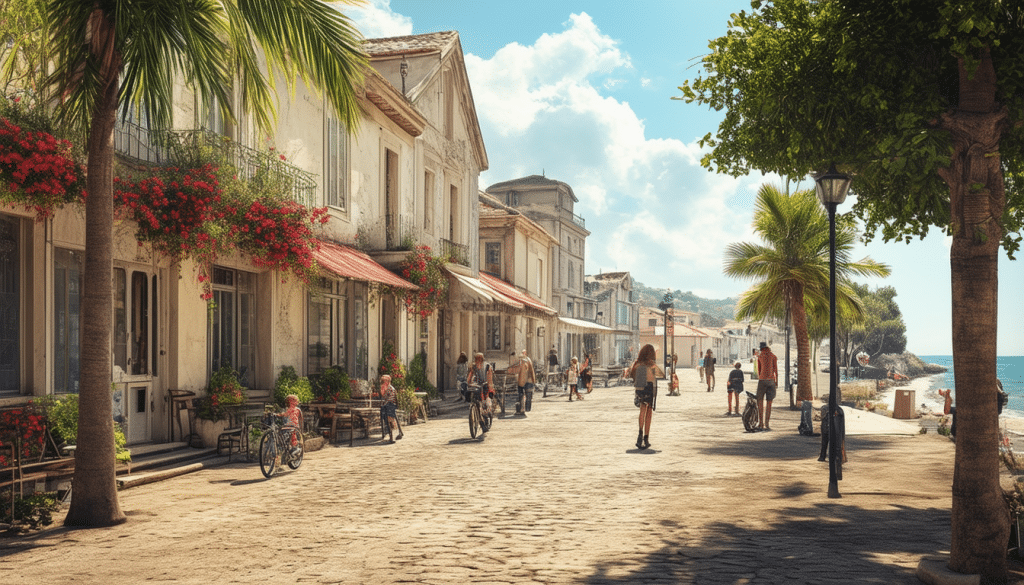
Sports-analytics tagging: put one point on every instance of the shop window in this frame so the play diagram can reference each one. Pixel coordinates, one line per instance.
(67, 320)
(232, 323)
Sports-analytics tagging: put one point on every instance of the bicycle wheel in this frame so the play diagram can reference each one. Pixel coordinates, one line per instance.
(474, 419)
(296, 460)
(268, 454)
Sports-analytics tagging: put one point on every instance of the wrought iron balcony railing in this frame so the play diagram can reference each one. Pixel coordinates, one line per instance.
(459, 253)
(182, 146)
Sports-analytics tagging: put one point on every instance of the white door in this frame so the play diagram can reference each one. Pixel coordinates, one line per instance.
(139, 416)
(135, 340)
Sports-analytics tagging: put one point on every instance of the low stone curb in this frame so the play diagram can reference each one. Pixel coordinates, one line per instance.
(933, 571)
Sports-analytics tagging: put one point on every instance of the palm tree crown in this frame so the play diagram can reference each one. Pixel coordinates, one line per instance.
(791, 268)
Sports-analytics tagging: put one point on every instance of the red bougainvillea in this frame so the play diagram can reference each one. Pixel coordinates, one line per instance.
(36, 169)
(188, 214)
(26, 423)
(424, 270)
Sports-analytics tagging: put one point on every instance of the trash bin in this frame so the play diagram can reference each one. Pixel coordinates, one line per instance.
(904, 406)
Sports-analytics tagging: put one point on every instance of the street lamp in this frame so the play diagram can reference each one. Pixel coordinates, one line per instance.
(667, 305)
(831, 187)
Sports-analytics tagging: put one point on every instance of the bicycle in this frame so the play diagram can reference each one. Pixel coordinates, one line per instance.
(553, 379)
(276, 445)
(480, 417)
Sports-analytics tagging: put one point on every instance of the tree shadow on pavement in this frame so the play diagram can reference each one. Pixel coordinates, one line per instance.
(821, 543)
(790, 446)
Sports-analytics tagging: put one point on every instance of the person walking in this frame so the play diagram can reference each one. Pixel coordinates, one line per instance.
(552, 361)
(526, 380)
(734, 387)
(461, 374)
(388, 409)
(709, 370)
(645, 372)
(700, 369)
(767, 383)
(572, 375)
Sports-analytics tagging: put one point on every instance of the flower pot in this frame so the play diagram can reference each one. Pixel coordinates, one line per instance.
(313, 444)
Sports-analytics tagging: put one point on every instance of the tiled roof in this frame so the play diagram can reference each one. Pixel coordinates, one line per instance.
(350, 263)
(410, 44)
(610, 275)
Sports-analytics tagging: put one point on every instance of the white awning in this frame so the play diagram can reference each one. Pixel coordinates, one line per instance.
(585, 324)
(479, 290)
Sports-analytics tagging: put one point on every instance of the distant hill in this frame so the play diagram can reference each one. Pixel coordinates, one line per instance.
(717, 309)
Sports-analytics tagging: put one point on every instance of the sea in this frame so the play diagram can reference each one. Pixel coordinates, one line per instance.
(1009, 370)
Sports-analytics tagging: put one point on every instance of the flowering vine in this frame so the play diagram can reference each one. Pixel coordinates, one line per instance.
(200, 213)
(424, 270)
(37, 170)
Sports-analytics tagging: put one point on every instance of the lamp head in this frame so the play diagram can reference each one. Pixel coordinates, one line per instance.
(831, 186)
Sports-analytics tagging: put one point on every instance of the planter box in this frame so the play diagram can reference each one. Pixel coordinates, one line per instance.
(314, 444)
(209, 430)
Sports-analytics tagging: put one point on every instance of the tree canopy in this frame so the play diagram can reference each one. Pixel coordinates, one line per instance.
(863, 84)
(881, 331)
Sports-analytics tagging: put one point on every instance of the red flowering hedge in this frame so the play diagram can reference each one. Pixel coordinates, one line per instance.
(37, 170)
(26, 422)
(188, 214)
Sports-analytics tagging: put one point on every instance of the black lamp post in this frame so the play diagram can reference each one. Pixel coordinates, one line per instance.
(832, 187)
(666, 305)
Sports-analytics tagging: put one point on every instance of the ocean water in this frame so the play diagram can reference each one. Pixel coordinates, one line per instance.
(1009, 370)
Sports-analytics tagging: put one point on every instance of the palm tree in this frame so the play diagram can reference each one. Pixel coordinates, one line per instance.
(126, 54)
(792, 268)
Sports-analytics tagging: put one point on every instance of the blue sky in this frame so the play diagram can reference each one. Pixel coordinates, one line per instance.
(580, 91)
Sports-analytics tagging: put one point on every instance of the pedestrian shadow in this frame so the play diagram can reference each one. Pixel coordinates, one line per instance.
(808, 543)
(465, 441)
(643, 451)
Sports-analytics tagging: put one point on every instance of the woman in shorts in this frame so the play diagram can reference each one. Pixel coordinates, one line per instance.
(734, 387)
(645, 373)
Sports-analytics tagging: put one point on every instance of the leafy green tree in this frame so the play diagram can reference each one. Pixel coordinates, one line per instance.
(791, 268)
(119, 55)
(924, 103)
(881, 331)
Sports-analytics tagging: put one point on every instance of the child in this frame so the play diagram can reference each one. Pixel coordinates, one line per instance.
(293, 416)
(734, 388)
(389, 404)
(572, 375)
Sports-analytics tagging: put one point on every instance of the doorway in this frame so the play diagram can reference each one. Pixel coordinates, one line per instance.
(135, 347)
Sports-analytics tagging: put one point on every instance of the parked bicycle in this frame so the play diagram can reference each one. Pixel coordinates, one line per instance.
(281, 444)
(480, 417)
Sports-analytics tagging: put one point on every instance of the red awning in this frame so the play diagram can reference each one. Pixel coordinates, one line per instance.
(505, 289)
(349, 263)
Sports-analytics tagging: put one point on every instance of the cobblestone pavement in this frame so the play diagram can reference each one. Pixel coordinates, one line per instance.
(562, 496)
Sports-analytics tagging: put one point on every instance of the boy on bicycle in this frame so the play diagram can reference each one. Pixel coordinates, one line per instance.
(481, 376)
(293, 417)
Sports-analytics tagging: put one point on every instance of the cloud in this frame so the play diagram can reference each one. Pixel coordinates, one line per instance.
(377, 20)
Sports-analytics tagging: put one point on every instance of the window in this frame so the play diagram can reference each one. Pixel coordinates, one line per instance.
(392, 220)
(10, 308)
(67, 319)
(232, 323)
(568, 308)
(494, 332)
(540, 278)
(325, 326)
(449, 105)
(335, 186)
(572, 276)
(330, 341)
(621, 313)
(492, 257)
(652, 322)
(428, 202)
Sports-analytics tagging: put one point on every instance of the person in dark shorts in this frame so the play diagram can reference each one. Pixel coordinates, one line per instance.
(734, 388)
(645, 373)
(768, 381)
(709, 370)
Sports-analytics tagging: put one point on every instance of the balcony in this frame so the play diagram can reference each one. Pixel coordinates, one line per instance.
(459, 253)
(566, 214)
(140, 145)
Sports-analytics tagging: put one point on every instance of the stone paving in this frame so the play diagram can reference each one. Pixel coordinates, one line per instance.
(562, 496)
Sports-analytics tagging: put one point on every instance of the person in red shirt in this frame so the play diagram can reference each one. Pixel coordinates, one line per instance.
(768, 382)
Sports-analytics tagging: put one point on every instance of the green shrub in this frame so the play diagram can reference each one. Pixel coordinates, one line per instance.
(418, 375)
(332, 386)
(62, 415)
(289, 382)
(224, 390)
(35, 510)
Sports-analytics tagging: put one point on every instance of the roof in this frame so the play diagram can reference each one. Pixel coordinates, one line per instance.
(609, 275)
(532, 180)
(350, 263)
(410, 44)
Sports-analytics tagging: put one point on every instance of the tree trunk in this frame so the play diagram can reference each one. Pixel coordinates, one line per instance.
(94, 500)
(980, 520)
(803, 345)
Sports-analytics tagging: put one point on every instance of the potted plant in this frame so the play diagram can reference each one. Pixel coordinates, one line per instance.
(289, 382)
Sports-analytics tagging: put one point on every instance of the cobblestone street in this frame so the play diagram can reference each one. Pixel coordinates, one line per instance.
(560, 497)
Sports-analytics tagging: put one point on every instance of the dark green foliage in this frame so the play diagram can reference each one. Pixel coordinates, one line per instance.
(418, 375)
